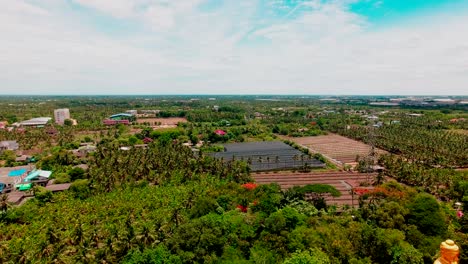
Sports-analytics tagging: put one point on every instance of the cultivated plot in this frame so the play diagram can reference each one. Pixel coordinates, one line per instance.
(336, 147)
(344, 182)
(169, 122)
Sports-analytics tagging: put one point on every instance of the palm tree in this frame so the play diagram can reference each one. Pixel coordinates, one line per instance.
(4, 205)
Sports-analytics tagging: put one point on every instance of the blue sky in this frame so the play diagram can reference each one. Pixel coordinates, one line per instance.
(234, 47)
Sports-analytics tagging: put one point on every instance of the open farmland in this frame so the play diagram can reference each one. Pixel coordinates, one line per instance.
(162, 122)
(342, 181)
(268, 155)
(338, 148)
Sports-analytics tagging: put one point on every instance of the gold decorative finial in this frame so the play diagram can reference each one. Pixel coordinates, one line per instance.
(449, 252)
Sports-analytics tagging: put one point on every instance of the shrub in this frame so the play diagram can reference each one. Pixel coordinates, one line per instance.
(80, 189)
(42, 194)
(426, 214)
(76, 173)
(62, 178)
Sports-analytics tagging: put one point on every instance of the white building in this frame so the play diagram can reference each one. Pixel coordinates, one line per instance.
(132, 112)
(60, 115)
(35, 122)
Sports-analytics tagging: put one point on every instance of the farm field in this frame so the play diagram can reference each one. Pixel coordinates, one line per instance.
(162, 122)
(338, 148)
(342, 181)
(461, 131)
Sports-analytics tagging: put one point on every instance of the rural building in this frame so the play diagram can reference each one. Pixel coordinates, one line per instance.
(9, 145)
(35, 122)
(109, 122)
(61, 115)
(3, 124)
(220, 132)
(122, 118)
(83, 151)
(444, 101)
(39, 177)
(23, 158)
(132, 112)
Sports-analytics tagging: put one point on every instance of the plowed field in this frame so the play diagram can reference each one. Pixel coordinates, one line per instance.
(342, 181)
(341, 149)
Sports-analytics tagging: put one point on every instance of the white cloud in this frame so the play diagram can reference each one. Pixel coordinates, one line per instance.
(116, 8)
(180, 49)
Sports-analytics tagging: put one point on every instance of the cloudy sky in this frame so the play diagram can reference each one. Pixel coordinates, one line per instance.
(234, 47)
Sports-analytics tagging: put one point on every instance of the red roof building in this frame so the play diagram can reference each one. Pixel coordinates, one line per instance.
(109, 122)
(220, 132)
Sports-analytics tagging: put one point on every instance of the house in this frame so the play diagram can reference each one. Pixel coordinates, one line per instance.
(147, 140)
(455, 120)
(23, 158)
(83, 151)
(3, 124)
(39, 177)
(220, 132)
(9, 145)
(259, 115)
(378, 124)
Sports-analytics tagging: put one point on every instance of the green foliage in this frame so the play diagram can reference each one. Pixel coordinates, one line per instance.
(42, 194)
(8, 155)
(62, 178)
(313, 256)
(76, 173)
(68, 122)
(203, 206)
(59, 158)
(391, 215)
(426, 214)
(406, 254)
(80, 189)
(316, 193)
(159, 163)
(158, 255)
(213, 148)
(269, 198)
(304, 208)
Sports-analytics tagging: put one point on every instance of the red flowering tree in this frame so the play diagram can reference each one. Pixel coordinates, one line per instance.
(249, 185)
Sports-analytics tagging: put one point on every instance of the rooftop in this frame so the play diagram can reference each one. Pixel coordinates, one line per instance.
(121, 114)
(267, 155)
(36, 121)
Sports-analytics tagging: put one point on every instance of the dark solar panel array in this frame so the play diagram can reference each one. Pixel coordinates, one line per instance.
(268, 155)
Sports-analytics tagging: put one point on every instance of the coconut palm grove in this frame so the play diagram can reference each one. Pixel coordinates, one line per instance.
(233, 179)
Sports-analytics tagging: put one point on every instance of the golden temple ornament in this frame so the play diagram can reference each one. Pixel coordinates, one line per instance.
(449, 253)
